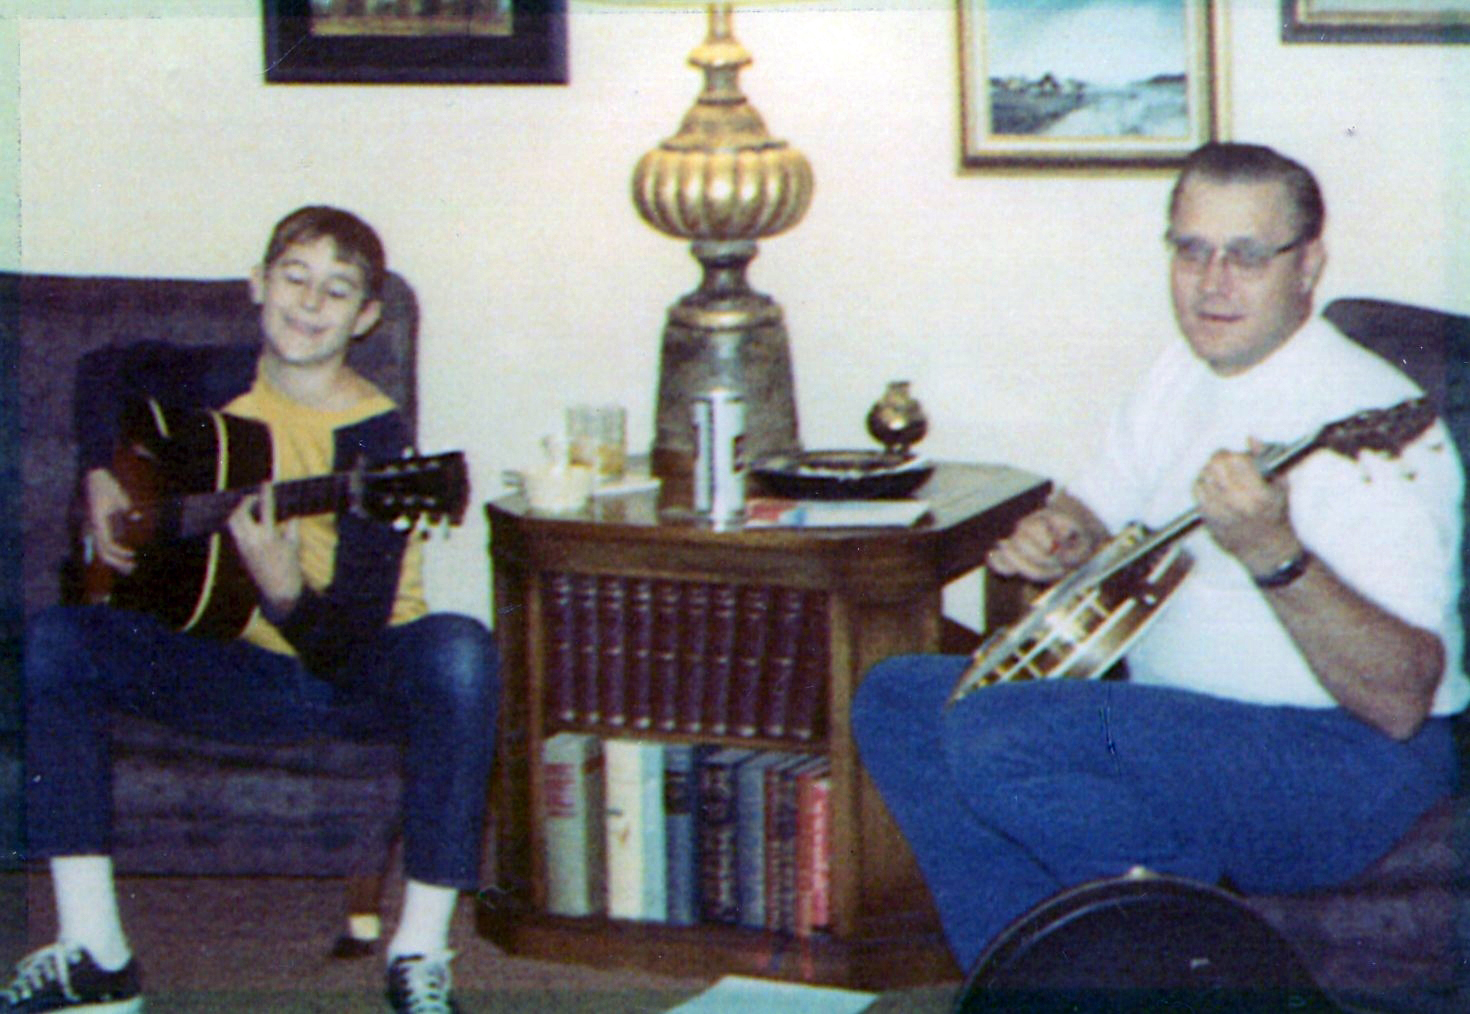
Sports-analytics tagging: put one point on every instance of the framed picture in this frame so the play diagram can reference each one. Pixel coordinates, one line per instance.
(1432, 21)
(416, 41)
(1089, 83)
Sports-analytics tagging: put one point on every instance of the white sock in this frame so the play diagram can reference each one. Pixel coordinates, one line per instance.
(423, 925)
(86, 908)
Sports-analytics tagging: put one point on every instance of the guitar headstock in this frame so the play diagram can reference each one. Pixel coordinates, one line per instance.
(436, 487)
(1387, 430)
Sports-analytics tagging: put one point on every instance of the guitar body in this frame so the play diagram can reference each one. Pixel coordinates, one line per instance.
(192, 581)
(187, 471)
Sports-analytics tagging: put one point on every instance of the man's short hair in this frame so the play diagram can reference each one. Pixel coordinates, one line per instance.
(356, 241)
(1231, 162)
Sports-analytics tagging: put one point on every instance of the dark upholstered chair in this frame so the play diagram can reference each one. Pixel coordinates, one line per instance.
(1398, 936)
(185, 805)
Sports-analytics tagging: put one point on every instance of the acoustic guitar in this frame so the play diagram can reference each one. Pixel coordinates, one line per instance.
(1080, 626)
(186, 472)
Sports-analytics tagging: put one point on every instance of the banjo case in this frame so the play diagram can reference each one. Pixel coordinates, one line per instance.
(1141, 942)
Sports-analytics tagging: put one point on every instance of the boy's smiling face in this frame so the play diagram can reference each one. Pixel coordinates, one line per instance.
(312, 303)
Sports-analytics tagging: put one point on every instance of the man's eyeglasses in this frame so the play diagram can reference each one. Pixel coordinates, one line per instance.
(1245, 256)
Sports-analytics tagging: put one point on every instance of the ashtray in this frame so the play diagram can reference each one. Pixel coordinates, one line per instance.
(842, 475)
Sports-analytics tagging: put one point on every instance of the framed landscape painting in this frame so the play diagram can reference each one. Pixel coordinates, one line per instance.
(415, 41)
(1089, 83)
(1431, 21)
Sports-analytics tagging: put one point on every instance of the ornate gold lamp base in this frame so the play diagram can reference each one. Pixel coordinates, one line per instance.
(723, 182)
(724, 334)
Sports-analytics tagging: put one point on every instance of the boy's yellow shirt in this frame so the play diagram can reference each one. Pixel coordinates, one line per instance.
(302, 446)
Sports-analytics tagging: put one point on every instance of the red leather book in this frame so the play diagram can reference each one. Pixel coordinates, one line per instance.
(721, 658)
(584, 632)
(640, 653)
(780, 674)
(693, 655)
(612, 633)
(809, 688)
(560, 646)
(668, 598)
(751, 637)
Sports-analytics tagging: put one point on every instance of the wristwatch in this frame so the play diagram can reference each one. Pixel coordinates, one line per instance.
(1286, 573)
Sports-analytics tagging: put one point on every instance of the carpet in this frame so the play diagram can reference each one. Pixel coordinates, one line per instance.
(258, 945)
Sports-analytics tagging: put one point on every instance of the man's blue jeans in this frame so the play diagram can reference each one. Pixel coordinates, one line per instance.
(1022, 790)
(432, 684)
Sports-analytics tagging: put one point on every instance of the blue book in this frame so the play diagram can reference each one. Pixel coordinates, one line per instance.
(681, 794)
(719, 900)
(750, 836)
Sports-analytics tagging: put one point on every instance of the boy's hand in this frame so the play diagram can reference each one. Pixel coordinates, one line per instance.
(270, 551)
(105, 500)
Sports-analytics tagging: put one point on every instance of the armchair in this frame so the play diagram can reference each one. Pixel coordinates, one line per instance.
(1398, 935)
(185, 805)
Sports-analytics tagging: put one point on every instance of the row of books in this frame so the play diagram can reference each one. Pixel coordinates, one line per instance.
(686, 834)
(685, 656)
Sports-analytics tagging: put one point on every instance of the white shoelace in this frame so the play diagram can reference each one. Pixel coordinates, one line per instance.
(427, 983)
(36, 970)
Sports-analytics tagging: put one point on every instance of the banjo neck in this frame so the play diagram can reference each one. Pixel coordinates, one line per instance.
(1272, 459)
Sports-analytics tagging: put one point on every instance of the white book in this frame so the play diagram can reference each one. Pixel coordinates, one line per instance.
(637, 863)
(740, 994)
(572, 820)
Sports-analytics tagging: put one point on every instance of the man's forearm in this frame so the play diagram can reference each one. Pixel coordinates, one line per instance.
(1374, 664)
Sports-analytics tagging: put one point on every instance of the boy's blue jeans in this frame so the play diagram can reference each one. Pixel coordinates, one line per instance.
(433, 684)
(1022, 790)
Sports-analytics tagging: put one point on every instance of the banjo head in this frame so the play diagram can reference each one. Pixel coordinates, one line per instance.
(1141, 943)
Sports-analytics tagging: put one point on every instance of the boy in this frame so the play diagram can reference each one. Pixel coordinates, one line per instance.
(341, 638)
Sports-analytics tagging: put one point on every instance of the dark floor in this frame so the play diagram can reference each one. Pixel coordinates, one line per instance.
(252, 945)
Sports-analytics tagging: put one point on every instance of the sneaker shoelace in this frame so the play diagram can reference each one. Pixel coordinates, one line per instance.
(38, 970)
(426, 984)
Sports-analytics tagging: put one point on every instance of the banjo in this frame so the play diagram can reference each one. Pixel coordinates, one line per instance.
(1078, 627)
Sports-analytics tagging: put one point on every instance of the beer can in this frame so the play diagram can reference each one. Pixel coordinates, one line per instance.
(719, 459)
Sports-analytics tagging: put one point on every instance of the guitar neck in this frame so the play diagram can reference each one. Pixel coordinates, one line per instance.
(1273, 460)
(203, 513)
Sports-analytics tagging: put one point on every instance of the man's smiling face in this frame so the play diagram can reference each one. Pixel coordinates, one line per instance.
(1234, 317)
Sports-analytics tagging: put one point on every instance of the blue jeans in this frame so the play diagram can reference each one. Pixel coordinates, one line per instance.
(432, 684)
(1022, 790)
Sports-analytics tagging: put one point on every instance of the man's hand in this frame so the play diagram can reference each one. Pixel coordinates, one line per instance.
(270, 551)
(1246, 513)
(106, 499)
(1374, 664)
(1049, 542)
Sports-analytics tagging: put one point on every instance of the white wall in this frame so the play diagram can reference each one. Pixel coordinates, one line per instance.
(1018, 305)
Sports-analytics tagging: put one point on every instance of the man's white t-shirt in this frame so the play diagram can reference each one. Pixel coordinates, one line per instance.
(1389, 527)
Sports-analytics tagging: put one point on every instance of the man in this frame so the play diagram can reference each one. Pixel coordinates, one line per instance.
(1285, 717)
(341, 639)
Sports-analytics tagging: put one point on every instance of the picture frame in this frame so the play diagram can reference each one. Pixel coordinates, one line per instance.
(1089, 84)
(415, 41)
(1392, 21)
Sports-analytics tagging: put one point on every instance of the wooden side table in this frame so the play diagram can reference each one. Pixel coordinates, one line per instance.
(877, 593)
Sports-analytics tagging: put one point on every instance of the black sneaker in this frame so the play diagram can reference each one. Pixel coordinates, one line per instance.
(63, 977)
(421, 984)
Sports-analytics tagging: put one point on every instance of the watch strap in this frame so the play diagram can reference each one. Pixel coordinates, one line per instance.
(1286, 573)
